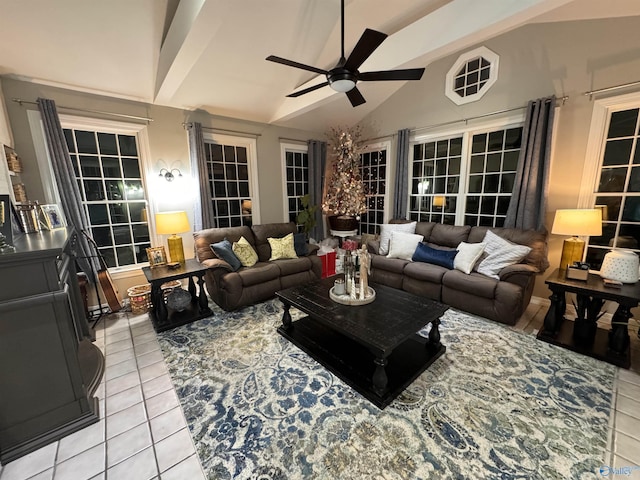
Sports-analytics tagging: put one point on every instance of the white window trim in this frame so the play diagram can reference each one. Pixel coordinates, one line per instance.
(252, 162)
(462, 60)
(391, 169)
(109, 126)
(284, 148)
(504, 122)
(602, 110)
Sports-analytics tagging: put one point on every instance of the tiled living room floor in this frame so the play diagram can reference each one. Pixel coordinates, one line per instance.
(142, 434)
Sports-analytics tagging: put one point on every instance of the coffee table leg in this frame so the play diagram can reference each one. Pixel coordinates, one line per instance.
(286, 316)
(380, 379)
(434, 335)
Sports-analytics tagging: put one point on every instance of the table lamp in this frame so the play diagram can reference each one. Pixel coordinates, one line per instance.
(171, 223)
(583, 222)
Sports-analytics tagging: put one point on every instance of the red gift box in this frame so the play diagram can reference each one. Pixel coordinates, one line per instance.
(328, 264)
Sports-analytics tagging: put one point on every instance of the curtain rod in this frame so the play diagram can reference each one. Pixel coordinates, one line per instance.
(591, 93)
(224, 130)
(100, 112)
(562, 100)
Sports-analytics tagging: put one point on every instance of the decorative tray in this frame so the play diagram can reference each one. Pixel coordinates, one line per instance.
(347, 300)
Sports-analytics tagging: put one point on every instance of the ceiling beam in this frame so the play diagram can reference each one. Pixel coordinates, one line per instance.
(189, 35)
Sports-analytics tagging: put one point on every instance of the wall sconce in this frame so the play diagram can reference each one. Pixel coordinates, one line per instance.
(168, 174)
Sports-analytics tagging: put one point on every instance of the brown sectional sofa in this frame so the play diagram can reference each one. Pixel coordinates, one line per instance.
(248, 285)
(503, 300)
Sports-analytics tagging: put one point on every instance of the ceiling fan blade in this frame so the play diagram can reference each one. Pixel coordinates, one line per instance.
(407, 74)
(307, 90)
(291, 63)
(369, 41)
(355, 97)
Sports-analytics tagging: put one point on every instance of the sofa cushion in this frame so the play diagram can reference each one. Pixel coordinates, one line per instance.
(204, 238)
(300, 244)
(291, 266)
(259, 273)
(479, 285)
(270, 230)
(468, 255)
(448, 235)
(245, 252)
(395, 265)
(224, 251)
(500, 253)
(403, 245)
(425, 272)
(387, 228)
(426, 254)
(282, 247)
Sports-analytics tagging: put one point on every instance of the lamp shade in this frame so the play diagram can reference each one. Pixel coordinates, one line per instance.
(578, 222)
(168, 223)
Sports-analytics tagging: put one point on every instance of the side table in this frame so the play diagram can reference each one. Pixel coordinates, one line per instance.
(583, 335)
(164, 317)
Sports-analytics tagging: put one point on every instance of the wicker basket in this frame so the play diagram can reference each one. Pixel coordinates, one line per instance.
(20, 193)
(13, 161)
(140, 298)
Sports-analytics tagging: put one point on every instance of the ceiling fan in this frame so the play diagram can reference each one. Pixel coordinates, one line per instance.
(344, 76)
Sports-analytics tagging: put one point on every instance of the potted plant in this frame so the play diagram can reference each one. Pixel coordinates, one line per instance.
(306, 217)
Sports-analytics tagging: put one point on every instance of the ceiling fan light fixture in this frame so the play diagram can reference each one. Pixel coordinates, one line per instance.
(342, 81)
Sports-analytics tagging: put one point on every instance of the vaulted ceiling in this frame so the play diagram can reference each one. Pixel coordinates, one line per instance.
(210, 54)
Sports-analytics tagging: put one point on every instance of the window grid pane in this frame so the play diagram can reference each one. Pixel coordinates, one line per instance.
(435, 180)
(297, 181)
(229, 184)
(617, 190)
(114, 198)
(374, 176)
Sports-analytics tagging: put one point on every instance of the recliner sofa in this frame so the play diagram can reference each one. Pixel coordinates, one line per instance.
(234, 289)
(503, 300)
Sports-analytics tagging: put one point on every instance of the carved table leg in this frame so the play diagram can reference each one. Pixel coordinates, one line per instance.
(157, 299)
(203, 303)
(286, 316)
(555, 315)
(380, 379)
(434, 335)
(619, 333)
(192, 288)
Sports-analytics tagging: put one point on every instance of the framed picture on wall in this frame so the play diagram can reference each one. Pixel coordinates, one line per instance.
(51, 216)
(157, 256)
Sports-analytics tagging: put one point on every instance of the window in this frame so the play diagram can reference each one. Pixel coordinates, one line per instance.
(230, 163)
(471, 76)
(616, 188)
(296, 178)
(464, 179)
(108, 170)
(374, 175)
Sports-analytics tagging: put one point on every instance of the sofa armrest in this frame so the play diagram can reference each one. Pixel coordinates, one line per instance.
(312, 249)
(373, 246)
(217, 263)
(520, 274)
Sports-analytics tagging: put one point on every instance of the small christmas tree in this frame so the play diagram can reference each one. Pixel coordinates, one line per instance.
(345, 193)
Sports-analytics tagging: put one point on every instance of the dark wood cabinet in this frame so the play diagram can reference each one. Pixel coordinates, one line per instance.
(49, 368)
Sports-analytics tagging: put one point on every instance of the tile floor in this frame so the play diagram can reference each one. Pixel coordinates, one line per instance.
(142, 434)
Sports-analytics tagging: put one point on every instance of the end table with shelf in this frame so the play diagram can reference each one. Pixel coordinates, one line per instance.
(611, 346)
(163, 317)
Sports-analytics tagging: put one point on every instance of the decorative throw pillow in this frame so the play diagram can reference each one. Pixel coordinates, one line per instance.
(385, 233)
(425, 253)
(224, 251)
(282, 247)
(300, 244)
(500, 253)
(468, 255)
(245, 252)
(402, 245)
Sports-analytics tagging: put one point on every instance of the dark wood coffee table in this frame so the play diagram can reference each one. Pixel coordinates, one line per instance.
(374, 348)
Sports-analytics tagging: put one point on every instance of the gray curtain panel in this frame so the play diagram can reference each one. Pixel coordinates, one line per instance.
(402, 181)
(317, 151)
(67, 187)
(528, 202)
(203, 216)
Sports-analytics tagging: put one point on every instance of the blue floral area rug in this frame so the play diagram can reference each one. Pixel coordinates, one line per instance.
(499, 404)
